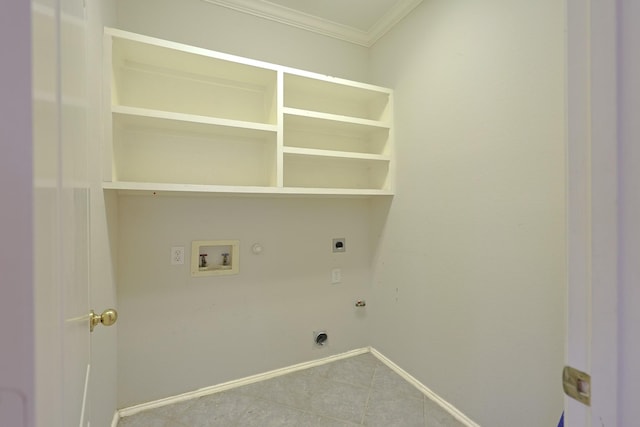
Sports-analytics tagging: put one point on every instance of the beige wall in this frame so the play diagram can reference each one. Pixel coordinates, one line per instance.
(469, 283)
(178, 333)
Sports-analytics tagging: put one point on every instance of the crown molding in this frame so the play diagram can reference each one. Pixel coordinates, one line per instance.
(294, 18)
(390, 19)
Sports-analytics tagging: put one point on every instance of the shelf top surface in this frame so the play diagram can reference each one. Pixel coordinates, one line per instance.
(143, 117)
(313, 118)
(157, 189)
(126, 35)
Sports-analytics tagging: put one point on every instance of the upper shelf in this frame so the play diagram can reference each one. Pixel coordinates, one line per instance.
(186, 120)
(144, 117)
(161, 77)
(335, 121)
(337, 97)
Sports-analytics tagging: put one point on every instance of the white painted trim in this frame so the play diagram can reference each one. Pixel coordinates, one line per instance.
(116, 418)
(125, 412)
(295, 18)
(592, 189)
(455, 412)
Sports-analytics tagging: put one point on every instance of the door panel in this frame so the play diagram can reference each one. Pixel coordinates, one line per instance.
(61, 208)
(74, 209)
(46, 164)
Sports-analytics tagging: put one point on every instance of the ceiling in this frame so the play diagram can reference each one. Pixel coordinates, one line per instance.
(361, 22)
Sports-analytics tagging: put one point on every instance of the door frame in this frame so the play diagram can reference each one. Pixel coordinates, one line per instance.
(17, 376)
(592, 188)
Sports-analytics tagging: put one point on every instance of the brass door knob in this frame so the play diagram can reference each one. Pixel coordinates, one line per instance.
(107, 318)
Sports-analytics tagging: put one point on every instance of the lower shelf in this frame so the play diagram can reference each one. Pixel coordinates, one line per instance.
(159, 189)
(317, 171)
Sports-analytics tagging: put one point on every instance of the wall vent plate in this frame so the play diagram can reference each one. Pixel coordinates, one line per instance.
(215, 257)
(339, 244)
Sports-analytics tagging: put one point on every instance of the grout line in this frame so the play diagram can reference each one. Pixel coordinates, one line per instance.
(366, 404)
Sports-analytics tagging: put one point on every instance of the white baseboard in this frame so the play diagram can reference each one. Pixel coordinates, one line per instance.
(425, 390)
(125, 412)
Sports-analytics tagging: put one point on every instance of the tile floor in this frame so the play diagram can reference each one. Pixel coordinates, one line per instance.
(358, 391)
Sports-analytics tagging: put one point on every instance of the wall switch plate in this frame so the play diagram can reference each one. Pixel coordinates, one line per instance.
(177, 255)
(336, 276)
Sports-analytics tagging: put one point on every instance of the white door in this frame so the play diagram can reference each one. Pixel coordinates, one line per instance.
(61, 212)
(592, 215)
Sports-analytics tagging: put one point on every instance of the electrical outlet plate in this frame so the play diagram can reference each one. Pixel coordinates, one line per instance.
(177, 255)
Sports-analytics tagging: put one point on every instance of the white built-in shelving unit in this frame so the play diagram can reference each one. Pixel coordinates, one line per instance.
(186, 119)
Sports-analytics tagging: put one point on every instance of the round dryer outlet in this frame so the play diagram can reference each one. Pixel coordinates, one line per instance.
(320, 338)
